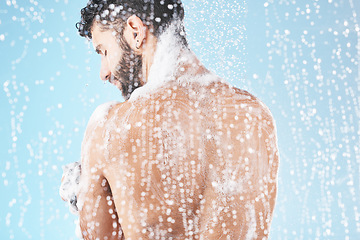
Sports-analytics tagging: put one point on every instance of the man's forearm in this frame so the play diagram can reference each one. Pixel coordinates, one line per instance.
(98, 217)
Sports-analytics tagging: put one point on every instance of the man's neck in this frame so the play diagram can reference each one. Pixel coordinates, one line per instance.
(167, 58)
(148, 55)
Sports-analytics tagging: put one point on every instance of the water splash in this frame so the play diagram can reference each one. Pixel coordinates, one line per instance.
(301, 59)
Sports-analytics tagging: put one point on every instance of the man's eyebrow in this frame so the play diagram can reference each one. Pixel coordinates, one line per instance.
(97, 49)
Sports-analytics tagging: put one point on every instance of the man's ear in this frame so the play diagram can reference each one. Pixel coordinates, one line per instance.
(135, 33)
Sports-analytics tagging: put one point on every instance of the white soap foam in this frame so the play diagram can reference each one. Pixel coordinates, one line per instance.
(169, 56)
(69, 188)
(101, 112)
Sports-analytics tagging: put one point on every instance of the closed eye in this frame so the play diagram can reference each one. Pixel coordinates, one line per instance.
(99, 51)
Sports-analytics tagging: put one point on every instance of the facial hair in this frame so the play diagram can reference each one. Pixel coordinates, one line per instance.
(128, 70)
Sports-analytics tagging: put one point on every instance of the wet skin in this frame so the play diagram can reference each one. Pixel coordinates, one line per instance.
(185, 162)
(182, 161)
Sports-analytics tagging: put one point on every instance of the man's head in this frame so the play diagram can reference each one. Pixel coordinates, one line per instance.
(118, 29)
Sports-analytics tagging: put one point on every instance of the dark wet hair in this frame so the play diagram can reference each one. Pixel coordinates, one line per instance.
(157, 14)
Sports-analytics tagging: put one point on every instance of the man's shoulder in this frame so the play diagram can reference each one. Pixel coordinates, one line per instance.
(247, 109)
(223, 95)
(251, 104)
(101, 113)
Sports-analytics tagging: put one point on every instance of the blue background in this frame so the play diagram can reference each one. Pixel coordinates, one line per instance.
(300, 57)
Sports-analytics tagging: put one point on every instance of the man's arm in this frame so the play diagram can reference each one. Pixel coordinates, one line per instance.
(98, 217)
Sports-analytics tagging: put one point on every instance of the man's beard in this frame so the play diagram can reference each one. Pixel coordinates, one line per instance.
(129, 69)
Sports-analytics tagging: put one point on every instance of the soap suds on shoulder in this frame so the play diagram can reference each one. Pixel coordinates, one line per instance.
(100, 114)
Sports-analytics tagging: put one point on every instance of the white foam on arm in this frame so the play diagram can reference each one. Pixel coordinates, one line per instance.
(69, 188)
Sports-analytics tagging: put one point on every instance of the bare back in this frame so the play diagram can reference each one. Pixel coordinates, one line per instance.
(189, 162)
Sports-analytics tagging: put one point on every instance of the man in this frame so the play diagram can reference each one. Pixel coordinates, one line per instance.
(186, 156)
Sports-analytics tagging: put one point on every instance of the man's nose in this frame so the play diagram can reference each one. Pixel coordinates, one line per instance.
(105, 72)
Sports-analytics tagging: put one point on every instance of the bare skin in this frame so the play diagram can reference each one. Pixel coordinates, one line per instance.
(186, 162)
